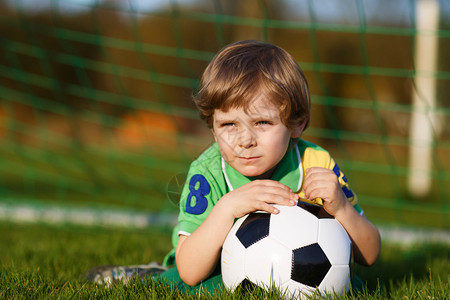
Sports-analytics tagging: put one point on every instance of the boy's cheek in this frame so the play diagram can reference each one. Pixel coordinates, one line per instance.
(220, 135)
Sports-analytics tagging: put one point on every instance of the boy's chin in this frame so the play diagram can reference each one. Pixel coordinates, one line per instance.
(248, 171)
(257, 174)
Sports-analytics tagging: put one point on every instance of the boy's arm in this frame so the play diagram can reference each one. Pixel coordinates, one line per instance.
(323, 183)
(364, 235)
(197, 254)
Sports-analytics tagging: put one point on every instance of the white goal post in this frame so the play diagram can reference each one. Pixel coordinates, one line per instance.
(424, 122)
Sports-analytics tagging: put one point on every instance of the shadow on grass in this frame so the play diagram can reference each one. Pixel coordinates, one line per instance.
(398, 264)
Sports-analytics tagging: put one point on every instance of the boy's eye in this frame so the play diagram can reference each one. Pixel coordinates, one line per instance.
(263, 122)
(227, 124)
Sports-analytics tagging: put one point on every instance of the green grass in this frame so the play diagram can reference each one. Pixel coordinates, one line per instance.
(43, 261)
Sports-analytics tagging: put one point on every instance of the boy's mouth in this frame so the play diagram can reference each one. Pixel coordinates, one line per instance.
(249, 159)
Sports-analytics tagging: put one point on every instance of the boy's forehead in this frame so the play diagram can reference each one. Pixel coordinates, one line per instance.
(262, 106)
(258, 107)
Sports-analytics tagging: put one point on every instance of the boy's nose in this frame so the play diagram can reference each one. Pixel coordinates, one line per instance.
(247, 138)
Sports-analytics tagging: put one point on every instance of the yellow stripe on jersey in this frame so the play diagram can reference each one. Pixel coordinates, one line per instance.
(317, 157)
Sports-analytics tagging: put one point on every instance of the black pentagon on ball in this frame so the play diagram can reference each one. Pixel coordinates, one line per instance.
(309, 265)
(254, 228)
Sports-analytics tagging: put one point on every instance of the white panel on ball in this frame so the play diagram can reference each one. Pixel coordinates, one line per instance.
(334, 241)
(293, 219)
(232, 261)
(271, 266)
(336, 281)
(296, 290)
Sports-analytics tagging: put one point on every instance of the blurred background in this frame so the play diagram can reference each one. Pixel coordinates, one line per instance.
(97, 125)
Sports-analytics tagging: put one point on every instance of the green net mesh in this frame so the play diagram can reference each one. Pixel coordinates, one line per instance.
(96, 110)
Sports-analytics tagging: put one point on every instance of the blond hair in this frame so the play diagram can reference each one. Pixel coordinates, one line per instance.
(243, 70)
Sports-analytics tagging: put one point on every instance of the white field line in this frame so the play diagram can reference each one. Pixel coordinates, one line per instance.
(409, 236)
(50, 214)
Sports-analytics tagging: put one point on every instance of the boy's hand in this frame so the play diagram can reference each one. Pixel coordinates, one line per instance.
(323, 183)
(257, 196)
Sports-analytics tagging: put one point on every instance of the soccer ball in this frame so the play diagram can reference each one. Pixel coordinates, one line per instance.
(300, 250)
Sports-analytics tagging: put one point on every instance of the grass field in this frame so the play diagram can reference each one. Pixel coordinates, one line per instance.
(43, 261)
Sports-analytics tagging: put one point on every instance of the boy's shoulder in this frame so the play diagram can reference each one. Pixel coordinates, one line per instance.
(313, 155)
(304, 145)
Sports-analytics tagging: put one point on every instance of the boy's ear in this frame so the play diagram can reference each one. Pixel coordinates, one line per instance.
(297, 131)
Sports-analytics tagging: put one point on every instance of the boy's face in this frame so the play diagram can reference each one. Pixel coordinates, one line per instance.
(254, 141)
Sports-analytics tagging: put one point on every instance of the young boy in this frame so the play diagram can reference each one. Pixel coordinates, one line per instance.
(255, 99)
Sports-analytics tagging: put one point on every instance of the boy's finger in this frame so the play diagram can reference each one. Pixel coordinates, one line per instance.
(278, 193)
(263, 206)
(272, 183)
(317, 170)
(281, 199)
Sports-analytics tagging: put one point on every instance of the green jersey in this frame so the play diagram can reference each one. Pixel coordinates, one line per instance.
(210, 177)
